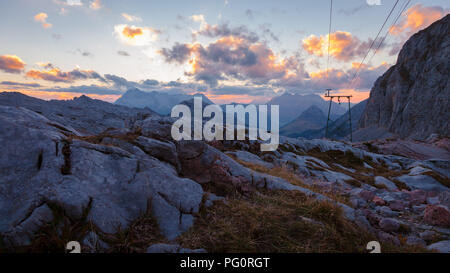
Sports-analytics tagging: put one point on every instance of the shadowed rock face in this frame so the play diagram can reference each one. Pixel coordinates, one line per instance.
(412, 98)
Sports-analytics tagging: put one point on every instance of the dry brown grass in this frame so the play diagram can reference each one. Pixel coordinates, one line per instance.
(97, 139)
(275, 222)
(141, 234)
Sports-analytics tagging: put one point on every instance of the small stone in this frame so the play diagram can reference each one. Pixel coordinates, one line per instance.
(389, 225)
(388, 238)
(428, 235)
(397, 205)
(418, 197)
(444, 198)
(433, 200)
(385, 211)
(413, 240)
(437, 216)
(418, 208)
(442, 246)
(367, 195)
(378, 201)
(358, 202)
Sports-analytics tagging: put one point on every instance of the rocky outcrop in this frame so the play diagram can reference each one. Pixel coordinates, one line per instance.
(42, 167)
(115, 177)
(412, 98)
(84, 115)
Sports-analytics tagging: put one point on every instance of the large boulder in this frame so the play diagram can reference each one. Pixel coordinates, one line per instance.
(40, 166)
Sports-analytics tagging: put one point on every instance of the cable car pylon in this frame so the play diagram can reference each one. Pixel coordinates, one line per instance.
(327, 95)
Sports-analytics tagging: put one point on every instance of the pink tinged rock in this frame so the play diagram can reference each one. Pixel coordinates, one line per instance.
(366, 195)
(378, 201)
(389, 225)
(417, 197)
(437, 216)
(388, 238)
(397, 205)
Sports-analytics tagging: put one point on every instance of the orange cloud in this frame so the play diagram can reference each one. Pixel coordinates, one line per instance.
(343, 45)
(314, 45)
(417, 17)
(131, 32)
(42, 18)
(96, 5)
(234, 58)
(136, 36)
(131, 18)
(11, 64)
(56, 75)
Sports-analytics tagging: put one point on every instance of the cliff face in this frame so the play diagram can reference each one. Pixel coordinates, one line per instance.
(412, 98)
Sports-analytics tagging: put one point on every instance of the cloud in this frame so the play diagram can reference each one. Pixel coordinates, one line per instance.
(56, 75)
(339, 78)
(179, 53)
(266, 31)
(42, 18)
(242, 90)
(417, 17)
(95, 5)
(45, 65)
(123, 53)
(343, 46)
(84, 53)
(11, 64)
(150, 82)
(222, 30)
(20, 84)
(198, 18)
(120, 83)
(87, 89)
(131, 18)
(136, 36)
(232, 58)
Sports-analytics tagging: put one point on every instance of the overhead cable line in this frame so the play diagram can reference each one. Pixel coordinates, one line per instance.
(329, 36)
(387, 33)
(372, 44)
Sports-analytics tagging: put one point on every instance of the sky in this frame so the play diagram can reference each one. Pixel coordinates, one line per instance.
(230, 50)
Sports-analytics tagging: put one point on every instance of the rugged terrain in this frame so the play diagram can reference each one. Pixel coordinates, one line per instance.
(120, 183)
(412, 98)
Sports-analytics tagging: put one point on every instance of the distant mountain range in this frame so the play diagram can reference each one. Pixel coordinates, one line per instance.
(340, 128)
(159, 102)
(291, 105)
